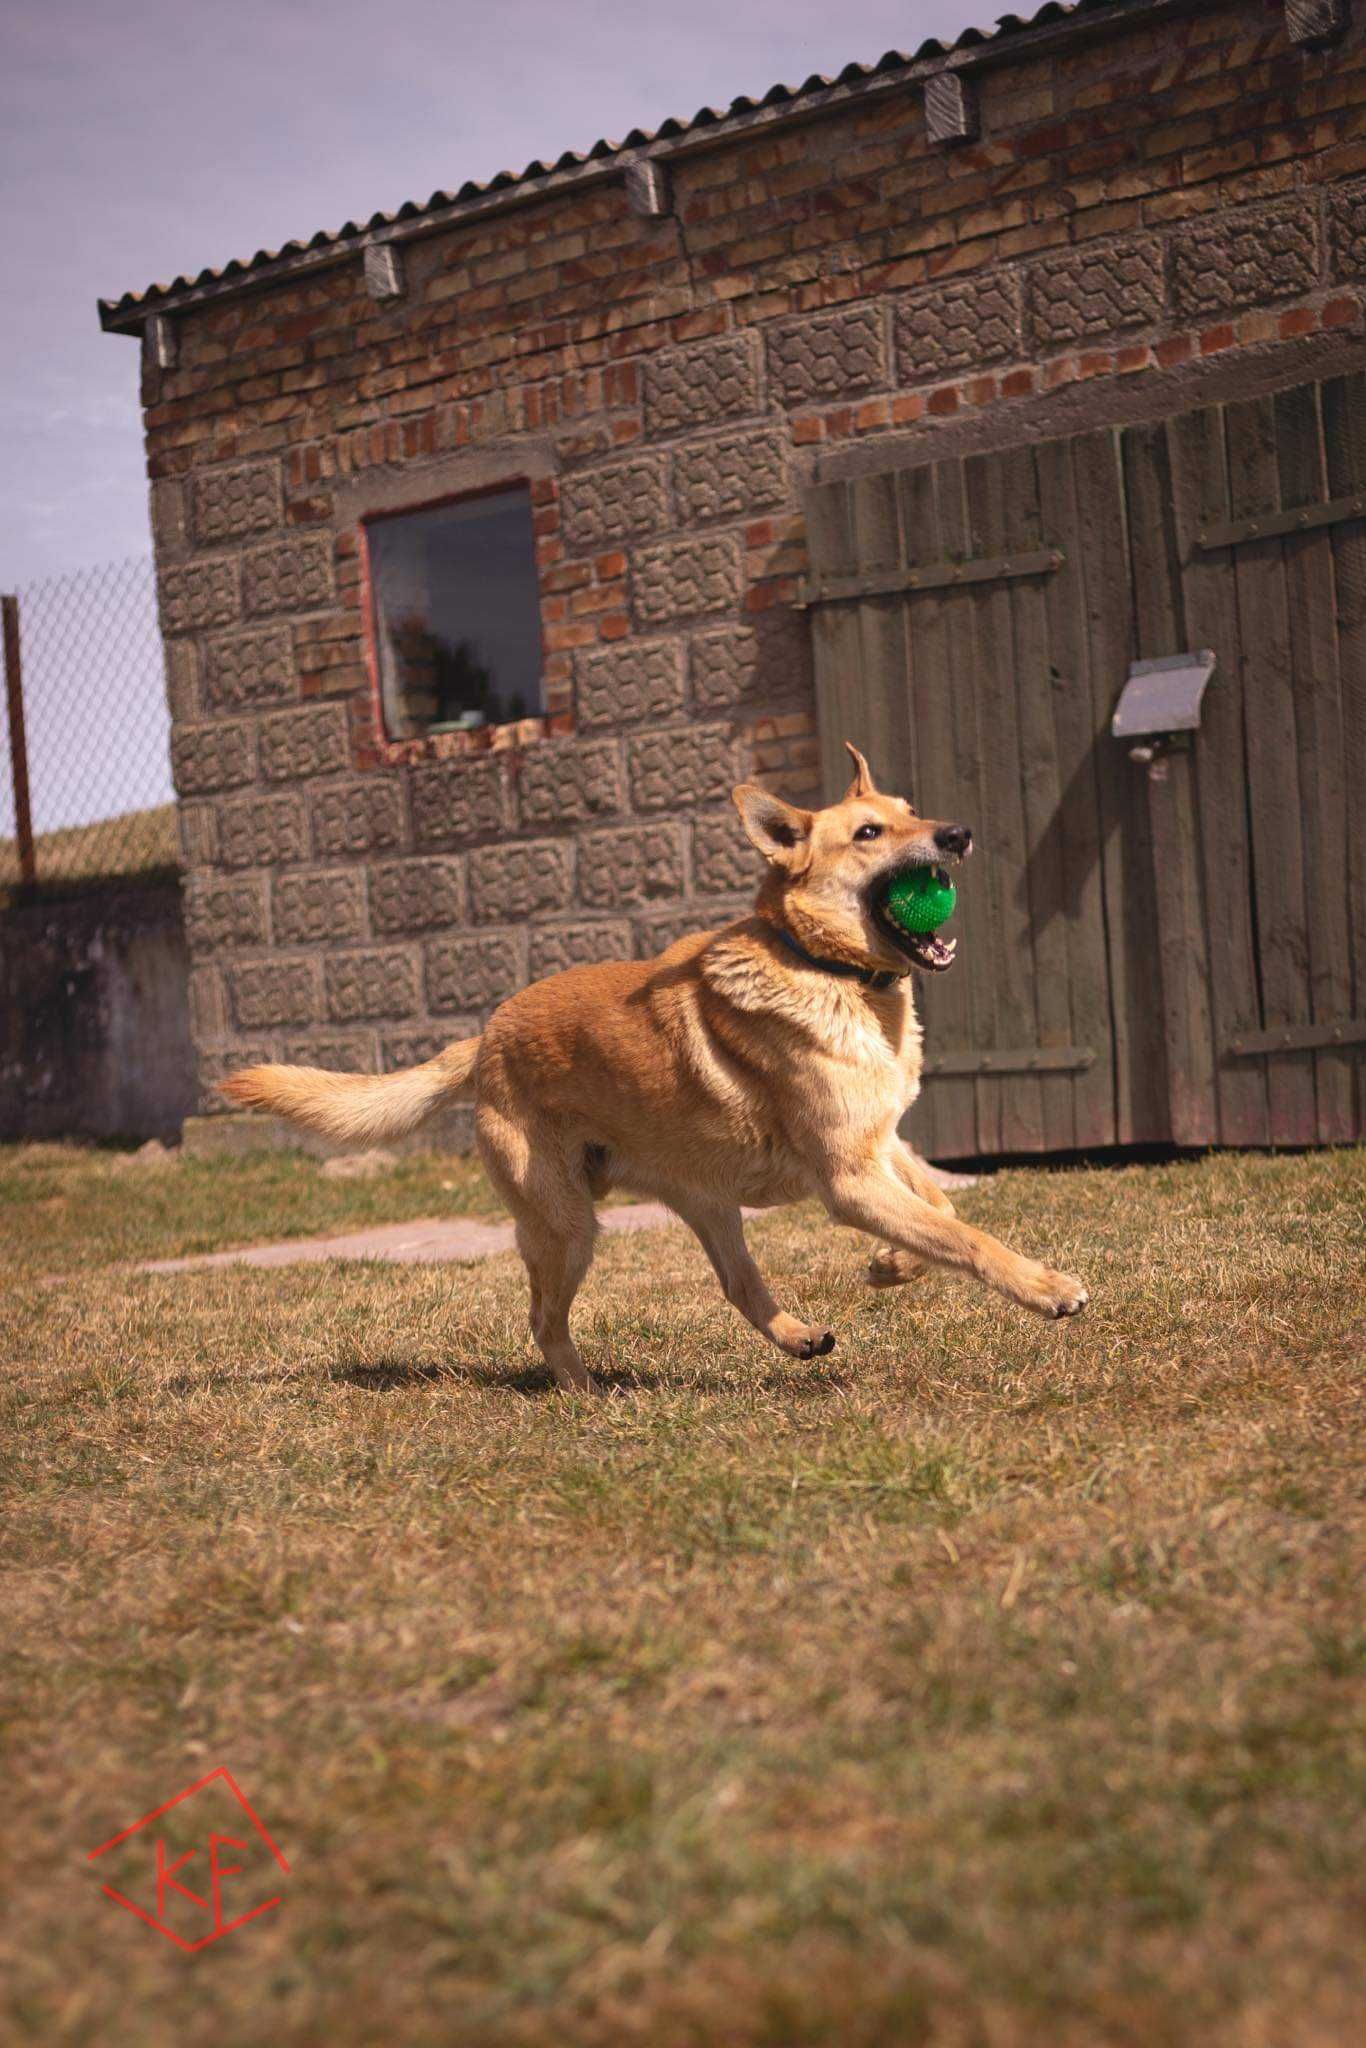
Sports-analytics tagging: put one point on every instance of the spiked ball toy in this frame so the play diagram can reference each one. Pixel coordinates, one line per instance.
(921, 900)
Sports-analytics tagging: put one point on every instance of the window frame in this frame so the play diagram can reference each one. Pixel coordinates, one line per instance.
(481, 739)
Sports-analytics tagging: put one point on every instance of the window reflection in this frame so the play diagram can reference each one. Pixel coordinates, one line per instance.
(457, 614)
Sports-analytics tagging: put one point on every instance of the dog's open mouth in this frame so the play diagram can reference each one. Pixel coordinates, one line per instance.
(926, 950)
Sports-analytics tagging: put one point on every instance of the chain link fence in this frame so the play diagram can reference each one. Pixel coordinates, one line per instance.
(90, 699)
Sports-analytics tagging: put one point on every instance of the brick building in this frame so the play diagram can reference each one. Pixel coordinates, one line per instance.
(704, 368)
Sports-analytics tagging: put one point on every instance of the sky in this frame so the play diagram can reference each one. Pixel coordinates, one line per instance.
(148, 137)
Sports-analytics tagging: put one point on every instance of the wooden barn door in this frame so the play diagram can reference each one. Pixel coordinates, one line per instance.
(1248, 536)
(1148, 953)
(965, 639)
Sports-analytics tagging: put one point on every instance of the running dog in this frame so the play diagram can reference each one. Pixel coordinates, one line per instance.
(757, 1065)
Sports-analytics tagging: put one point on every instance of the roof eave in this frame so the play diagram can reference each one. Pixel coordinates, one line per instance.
(129, 314)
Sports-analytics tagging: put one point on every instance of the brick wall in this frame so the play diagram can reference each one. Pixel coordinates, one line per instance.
(1158, 195)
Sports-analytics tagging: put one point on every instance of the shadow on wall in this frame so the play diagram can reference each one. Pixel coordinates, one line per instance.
(94, 1013)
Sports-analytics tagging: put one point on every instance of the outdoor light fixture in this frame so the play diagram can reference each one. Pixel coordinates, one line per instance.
(1160, 699)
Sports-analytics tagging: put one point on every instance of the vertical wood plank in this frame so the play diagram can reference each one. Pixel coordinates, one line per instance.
(978, 952)
(883, 733)
(1041, 884)
(1182, 954)
(834, 633)
(1018, 1105)
(945, 1120)
(902, 769)
(1344, 427)
(1126, 854)
(1079, 738)
(1311, 602)
(1269, 709)
(1200, 499)
(918, 523)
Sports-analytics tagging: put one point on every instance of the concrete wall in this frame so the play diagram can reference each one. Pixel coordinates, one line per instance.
(94, 1016)
(1156, 204)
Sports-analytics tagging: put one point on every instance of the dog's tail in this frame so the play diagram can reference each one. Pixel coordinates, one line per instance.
(358, 1109)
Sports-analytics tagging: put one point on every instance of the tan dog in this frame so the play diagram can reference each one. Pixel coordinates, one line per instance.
(756, 1065)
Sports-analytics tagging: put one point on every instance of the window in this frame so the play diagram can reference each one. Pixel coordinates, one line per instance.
(456, 614)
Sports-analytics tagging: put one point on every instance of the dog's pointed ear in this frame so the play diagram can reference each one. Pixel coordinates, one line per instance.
(863, 783)
(782, 832)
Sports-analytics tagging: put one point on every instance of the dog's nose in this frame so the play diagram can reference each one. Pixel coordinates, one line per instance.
(955, 839)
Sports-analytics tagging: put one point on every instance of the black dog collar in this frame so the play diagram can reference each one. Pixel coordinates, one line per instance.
(871, 977)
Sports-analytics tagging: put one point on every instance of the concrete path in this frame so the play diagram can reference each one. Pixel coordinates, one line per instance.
(432, 1240)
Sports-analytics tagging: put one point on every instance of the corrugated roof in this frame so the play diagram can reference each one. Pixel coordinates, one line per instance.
(508, 187)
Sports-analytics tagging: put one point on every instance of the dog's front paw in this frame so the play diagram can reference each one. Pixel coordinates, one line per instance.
(817, 1345)
(1055, 1294)
(800, 1340)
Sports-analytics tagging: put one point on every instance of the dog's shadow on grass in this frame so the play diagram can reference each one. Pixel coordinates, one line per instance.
(534, 1382)
(391, 1375)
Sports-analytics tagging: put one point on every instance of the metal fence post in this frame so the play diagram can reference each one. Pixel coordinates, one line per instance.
(18, 746)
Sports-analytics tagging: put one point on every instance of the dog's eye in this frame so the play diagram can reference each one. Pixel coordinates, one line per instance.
(869, 832)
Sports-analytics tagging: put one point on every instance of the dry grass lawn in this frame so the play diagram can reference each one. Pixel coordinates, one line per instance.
(136, 843)
(985, 1683)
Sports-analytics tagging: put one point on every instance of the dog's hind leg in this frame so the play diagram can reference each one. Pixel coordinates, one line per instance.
(552, 1210)
(721, 1232)
(557, 1255)
(889, 1265)
(909, 1167)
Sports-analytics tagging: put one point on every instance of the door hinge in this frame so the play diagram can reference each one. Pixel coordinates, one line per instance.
(929, 576)
(1031, 1059)
(1271, 525)
(1300, 1038)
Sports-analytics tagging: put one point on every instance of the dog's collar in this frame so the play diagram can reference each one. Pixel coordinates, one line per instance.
(871, 977)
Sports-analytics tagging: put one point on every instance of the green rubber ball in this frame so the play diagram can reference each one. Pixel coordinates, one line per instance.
(921, 900)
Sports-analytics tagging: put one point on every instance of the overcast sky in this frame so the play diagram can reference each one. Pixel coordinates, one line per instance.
(139, 138)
